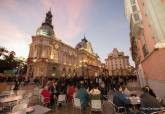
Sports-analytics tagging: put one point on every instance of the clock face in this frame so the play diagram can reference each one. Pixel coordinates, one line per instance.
(45, 33)
(42, 32)
(56, 46)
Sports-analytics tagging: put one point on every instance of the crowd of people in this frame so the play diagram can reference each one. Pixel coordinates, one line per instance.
(90, 88)
(84, 88)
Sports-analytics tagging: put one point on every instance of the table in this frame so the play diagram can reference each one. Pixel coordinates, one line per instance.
(11, 99)
(37, 110)
(4, 94)
(134, 100)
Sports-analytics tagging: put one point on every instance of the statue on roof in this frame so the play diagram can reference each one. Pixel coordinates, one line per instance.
(48, 19)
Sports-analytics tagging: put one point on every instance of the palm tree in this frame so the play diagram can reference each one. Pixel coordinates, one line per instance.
(7, 60)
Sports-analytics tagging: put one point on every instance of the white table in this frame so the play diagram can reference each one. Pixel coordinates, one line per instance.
(11, 99)
(37, 110)
(134, 100)
(4, 94)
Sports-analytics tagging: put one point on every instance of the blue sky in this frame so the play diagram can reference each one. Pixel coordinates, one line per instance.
(102, 21)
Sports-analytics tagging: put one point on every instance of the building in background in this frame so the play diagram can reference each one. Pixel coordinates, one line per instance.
(118, 64)
(131, 10)
(49, 56)
(147, 36)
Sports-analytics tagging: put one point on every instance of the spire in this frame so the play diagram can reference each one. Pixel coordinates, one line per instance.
(48, 19)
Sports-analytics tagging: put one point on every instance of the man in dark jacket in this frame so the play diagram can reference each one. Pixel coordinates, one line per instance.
(148, 102)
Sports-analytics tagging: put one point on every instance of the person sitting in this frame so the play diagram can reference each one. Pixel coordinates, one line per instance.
(151, 92)
(83, 95)
(46, 94)
(95, 93)
(148, 102)
(119, 98)
(125, 91)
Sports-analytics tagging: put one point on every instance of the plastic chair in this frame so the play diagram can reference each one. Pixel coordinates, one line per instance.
(20, 92)
(19, 107)
(36, 91)
(118, 109)
(24, 101)
(76, 105)
(96, 105)
(160, 110)
(61, 99)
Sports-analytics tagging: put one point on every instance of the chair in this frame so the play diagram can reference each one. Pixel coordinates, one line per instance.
(19, 107)
(12, 87)
(36, 91)
(96, 105)
(20, 92)
(159, 112)
(24, 101)
(28, 95)
(14, 102)
(118, 109)
(40, 96)
(76, 105)
(61, 99)
(144, 110)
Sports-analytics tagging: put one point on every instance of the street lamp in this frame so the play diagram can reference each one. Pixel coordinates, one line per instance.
(82, 65)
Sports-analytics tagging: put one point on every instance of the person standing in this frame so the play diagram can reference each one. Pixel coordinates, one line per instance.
(83, 95)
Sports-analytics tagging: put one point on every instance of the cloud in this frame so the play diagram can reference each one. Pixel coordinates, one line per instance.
(8, 4)
(13, 38)
(72, 16)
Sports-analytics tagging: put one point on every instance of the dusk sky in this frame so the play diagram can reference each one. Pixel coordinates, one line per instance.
(102, 21)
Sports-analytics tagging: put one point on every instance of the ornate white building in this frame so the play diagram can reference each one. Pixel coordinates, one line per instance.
(49, 56)
(118, 64)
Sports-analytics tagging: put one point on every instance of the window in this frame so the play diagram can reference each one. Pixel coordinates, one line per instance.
(132, 2)
(145, 50)
(136, 17)
(134, 8)
(143, 39)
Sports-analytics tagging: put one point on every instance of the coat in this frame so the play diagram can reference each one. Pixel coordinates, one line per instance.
(149, 101)
(83, 95)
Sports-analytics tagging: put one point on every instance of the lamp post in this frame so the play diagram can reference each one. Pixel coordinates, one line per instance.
(82, 65)
(34, 61)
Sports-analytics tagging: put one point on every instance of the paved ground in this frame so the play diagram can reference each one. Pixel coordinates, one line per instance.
(107, 109)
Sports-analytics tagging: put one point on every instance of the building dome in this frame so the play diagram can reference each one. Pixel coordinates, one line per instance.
(46, 28)
(86, 45)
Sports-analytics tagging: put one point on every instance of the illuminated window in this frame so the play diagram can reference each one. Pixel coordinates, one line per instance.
(144, 48)
(134, 8)
(132, 2)
(136, 17)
